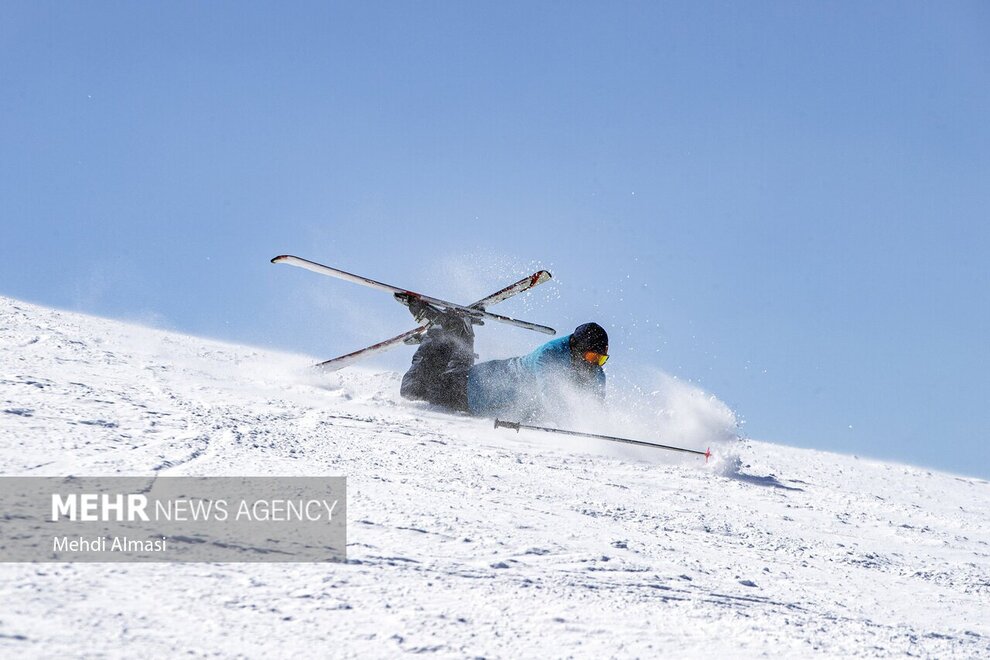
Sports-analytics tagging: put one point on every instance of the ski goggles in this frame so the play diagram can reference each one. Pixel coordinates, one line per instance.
(595, 358)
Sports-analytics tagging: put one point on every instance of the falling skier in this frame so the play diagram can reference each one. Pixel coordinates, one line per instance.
(529, 387)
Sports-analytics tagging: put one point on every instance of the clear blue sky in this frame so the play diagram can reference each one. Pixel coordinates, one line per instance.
(783, 202)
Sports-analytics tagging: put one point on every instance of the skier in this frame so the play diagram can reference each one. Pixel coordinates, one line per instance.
(528, 388)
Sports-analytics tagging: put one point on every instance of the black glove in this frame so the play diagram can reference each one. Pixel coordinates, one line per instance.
(421, 311)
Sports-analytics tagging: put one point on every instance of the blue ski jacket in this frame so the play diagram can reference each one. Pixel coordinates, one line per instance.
(522, 388)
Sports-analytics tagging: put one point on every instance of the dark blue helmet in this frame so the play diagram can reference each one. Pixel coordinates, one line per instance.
(589, 337)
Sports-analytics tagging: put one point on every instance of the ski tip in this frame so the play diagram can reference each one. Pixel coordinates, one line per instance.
(328, 366)
(281, 257)
(539, 277)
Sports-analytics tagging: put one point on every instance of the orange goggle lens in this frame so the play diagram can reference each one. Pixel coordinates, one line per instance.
(595, 358)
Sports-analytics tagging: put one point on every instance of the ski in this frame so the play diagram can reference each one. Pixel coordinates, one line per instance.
(473, 313)
(525, 284)
(413, 336)
(333, 364)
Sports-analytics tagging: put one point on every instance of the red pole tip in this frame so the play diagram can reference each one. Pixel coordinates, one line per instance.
(708, 454)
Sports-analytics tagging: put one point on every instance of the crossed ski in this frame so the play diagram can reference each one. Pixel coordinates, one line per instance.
(476, 311)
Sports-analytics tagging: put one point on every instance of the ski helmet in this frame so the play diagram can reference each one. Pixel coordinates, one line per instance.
(589, 337)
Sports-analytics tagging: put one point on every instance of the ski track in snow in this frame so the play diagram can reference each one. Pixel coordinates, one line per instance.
(464, 541)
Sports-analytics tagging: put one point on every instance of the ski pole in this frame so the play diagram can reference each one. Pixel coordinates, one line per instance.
(517, 425)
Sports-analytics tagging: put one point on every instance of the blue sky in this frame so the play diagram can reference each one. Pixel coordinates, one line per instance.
(785, 203)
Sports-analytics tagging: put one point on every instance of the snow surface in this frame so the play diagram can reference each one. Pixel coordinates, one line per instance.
(466, 541)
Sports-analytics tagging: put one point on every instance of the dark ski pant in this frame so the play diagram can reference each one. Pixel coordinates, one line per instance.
(440, 367)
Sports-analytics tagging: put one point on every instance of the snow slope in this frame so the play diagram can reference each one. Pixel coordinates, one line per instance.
(464, 541)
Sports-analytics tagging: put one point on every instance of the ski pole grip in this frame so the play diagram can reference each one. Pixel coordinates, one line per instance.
(507, 425)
